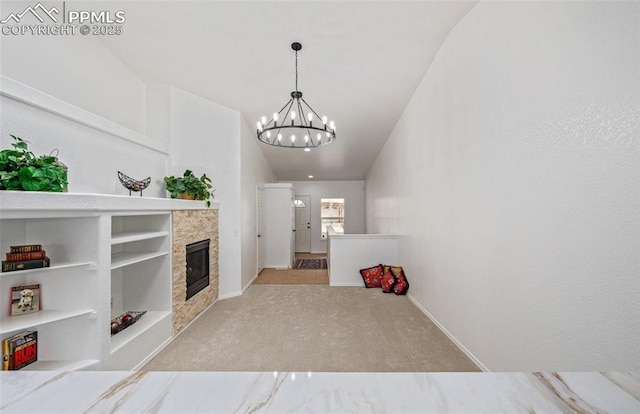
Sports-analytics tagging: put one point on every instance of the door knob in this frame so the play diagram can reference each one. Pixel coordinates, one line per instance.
(259, 235)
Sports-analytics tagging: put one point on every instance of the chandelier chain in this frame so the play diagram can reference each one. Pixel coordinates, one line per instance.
(296, 70)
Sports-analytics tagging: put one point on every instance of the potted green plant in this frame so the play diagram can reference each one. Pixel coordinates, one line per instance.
(190, 187)
(21, 170)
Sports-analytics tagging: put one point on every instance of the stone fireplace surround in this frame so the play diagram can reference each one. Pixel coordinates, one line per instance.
(190, 226)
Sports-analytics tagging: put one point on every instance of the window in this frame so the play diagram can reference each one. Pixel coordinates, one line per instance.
(332, 215)
(298, 203)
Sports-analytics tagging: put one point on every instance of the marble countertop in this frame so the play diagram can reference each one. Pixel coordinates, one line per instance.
(258, 392)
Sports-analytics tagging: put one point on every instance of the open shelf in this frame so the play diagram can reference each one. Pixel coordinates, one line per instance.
(127, 258)
(61, 365)
(22, 322)
(120, 238)
(67, 265)
(127, 335)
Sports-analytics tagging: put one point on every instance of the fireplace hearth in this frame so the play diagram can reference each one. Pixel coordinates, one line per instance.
(197, 267)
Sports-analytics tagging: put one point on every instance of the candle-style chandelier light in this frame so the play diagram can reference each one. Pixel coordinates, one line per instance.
(297, 124)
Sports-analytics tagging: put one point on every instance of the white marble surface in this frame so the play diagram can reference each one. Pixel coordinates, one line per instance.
(250, 392)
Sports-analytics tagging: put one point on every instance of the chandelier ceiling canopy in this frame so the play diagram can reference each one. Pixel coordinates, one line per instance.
(296, 124)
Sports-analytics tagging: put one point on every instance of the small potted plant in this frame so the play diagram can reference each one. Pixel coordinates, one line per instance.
(21, 170)
(190, 187)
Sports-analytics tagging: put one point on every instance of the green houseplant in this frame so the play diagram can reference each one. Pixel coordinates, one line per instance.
(190, 187)
(21, 170)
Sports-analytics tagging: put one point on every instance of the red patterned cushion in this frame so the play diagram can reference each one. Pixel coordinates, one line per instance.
(387, 282)
(372, 276)
(402, 284)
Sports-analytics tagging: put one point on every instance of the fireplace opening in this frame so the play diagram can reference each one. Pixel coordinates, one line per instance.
(197, 267)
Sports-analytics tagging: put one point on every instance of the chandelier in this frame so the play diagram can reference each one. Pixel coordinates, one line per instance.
(297, 124)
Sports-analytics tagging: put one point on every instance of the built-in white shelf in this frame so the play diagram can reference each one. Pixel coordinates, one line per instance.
(127, 258)
(67, 265)
(120, 238)
(61, 365)
(147, 321)
(22, 322)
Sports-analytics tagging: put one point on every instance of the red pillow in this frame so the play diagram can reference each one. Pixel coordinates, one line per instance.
(372, 276)
(402, 284)
(388, 282)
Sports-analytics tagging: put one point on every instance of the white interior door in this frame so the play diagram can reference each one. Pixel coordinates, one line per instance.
(303, 223)
(261, 230)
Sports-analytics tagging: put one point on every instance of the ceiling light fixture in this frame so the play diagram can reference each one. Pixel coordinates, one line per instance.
(283, 134)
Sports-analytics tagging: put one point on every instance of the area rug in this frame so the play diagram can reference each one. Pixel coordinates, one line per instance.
(310, 264)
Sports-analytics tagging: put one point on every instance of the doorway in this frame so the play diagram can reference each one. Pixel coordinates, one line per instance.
(302, 204)
(261, 229)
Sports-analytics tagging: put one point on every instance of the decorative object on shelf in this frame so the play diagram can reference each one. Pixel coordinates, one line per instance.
(25, 299)
(23, 257)
(301, 131)
(132, 184)
(125, 320)
(21, 170)
(190, 187)
(19, 350)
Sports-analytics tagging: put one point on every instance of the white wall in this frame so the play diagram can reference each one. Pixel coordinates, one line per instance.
(513, 180)
(205, 138)
(77, 69)
(350, 253)
(255, 171)
(354, 215)
(77, 75)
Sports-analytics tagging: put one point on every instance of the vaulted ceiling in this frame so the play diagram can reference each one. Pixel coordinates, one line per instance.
(360, 63)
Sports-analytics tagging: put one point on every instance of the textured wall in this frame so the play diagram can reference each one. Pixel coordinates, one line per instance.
(513, 180)
(190, 226)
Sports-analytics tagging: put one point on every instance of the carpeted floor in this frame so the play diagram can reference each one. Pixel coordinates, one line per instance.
(312, 328)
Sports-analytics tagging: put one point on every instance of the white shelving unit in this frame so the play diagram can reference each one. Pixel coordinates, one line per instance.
(68, 289)
(140, 281)
(109, 254)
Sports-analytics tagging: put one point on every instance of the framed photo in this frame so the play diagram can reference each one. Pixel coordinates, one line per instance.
(25, 299)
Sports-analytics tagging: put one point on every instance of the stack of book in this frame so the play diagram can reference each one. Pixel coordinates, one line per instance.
(19, 350)
(23, 257)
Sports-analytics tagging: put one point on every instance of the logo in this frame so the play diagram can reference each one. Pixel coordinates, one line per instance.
(34, 11)
(61, 20)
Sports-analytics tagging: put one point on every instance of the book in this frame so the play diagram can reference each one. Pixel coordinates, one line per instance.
(19, 350)
(26, 248)
(24, 265)
(25, 299)
(19, 257)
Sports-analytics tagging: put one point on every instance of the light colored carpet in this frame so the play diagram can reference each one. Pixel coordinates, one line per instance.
(312, 328)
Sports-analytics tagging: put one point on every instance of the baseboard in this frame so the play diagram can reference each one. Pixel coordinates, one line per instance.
(343, 284)
(149, 357)
(244, 289)
(449, 335)
(230, 295)
(166, 343)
